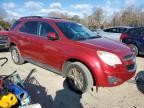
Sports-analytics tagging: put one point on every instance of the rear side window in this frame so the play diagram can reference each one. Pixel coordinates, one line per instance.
(14, 25)
(30, 27)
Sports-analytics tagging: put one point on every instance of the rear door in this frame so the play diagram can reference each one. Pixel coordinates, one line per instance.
(27, 32)
(136, 38)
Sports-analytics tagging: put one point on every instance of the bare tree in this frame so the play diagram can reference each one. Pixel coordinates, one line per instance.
(54, 14)
(96, 19)
(130, 16)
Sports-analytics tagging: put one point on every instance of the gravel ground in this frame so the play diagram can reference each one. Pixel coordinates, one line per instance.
(50, 90)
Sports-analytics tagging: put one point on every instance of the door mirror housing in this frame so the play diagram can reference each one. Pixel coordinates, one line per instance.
(52, 36)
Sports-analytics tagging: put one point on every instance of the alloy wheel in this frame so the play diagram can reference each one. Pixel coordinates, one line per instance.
(15, 56)
(76, 78)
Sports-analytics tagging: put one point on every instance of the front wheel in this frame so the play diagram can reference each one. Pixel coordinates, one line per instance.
(79, 77)
(16, 56)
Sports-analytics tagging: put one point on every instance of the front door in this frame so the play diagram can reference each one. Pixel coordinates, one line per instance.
(47, 50)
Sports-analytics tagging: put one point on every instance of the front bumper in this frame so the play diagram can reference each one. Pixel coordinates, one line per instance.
(118, 74)
(117, 79)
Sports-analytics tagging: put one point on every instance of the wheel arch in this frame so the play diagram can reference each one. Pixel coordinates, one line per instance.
(132, 42)
(12, 44)
(71, 60)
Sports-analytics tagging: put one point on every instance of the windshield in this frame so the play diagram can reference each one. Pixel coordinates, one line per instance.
(76, 31)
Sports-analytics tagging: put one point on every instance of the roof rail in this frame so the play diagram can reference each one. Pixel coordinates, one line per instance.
(31, 17)
(54, 17)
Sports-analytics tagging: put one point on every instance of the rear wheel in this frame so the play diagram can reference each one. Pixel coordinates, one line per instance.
(134, 49)
(79, 77)
(16, 56)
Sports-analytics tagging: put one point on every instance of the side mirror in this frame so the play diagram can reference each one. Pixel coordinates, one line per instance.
(52, 36)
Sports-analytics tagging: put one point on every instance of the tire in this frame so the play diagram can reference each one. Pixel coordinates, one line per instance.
(79, 77)
(134, 49)
(16, 56)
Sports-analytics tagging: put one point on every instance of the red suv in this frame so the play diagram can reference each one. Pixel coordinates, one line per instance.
(71, 50)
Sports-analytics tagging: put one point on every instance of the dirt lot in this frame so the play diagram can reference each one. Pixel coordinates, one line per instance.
(50, 90)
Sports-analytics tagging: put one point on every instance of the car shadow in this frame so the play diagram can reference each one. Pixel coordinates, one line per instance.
(140, 81)
(64, 98)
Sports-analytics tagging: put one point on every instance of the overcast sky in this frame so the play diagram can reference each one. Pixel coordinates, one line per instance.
(19, 8)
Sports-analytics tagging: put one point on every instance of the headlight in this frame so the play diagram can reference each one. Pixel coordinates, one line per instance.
(109, 58)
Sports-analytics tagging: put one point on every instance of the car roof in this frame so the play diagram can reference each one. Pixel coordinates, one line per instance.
(55, 19)
(135, 28)
(124, 27)
(139, 27)
(128, 27)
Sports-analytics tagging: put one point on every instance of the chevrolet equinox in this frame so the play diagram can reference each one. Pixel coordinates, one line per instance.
(71, 50)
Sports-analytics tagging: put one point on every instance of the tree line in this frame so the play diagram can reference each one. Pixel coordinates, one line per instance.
(130, 16)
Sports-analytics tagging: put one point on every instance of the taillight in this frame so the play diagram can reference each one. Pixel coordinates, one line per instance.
(123, 36)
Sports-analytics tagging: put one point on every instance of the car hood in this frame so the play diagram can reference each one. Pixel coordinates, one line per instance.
(106, 44)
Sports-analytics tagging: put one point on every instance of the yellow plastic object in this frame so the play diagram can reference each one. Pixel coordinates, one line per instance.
(8, 100)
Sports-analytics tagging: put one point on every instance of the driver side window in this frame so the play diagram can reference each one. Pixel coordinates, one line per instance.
(45, 28)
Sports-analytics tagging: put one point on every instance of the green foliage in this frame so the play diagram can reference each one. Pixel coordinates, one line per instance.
(5, 25)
